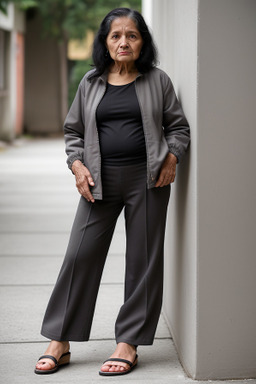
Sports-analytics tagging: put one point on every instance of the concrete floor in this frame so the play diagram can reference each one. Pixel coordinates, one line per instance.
(38, 200)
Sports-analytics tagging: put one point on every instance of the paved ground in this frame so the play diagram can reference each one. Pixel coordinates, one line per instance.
(38, 200)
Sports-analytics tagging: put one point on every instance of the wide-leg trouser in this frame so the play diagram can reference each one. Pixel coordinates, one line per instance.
(71, 307)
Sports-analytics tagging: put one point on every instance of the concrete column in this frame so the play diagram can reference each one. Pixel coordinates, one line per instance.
(208, 48)
(8, 94)
(12, 24)
(42, 81)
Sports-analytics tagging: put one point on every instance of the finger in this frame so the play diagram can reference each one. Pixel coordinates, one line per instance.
(89, 177)
(89, 197)
(162, 179)
(172, 177)
(165, 181)
(90, 180)
(85, 192)
(159, 182)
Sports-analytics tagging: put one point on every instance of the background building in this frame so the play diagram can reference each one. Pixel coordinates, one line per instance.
(208, 48)
(57, 49)
(43, 110)
(12, 28)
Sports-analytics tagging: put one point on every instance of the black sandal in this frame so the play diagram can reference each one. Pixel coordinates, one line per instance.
(128, 370)
(63, 360)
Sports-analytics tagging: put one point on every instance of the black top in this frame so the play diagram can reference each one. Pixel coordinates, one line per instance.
(119, 122)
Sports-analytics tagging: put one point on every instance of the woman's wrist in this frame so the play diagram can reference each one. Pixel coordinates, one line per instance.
(77, 164)
(173, 157)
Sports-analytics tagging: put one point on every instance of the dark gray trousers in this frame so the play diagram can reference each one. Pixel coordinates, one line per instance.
(71, 307)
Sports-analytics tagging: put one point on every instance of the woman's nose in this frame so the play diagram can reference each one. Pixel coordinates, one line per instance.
(124, 42)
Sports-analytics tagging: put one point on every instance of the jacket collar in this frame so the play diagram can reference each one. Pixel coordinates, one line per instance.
(104, 76)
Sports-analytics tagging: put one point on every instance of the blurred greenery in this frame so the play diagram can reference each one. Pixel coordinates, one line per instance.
(77, 71)
(71, 19)
(3, 6)
(64, 19)
(23, 4)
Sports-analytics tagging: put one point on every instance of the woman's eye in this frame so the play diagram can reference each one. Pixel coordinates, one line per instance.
(133, 37)
(114, 36)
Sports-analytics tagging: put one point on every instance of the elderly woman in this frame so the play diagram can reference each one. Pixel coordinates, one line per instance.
(124, 134)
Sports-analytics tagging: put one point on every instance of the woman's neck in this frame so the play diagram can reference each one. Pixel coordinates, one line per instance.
(123, 69)
(122, 74)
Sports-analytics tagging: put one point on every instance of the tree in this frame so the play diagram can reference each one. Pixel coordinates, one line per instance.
(3, 6)
(68, 19)
(23, 4)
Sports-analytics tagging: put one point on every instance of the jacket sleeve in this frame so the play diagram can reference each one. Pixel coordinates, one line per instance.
(176, 128)
(74, 129)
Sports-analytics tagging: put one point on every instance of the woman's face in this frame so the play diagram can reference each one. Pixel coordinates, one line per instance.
(124, 41)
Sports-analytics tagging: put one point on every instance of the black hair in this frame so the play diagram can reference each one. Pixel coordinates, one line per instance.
(100, 56)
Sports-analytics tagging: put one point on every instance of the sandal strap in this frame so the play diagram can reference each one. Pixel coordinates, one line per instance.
(49, 357)
(121, 361)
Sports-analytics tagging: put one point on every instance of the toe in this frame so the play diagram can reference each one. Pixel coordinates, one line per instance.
(119, 368)
(44, 365)
(105, 368)
(113, 368)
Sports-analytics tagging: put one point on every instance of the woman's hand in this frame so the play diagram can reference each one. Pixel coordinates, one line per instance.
(168, 171)
(83, 180)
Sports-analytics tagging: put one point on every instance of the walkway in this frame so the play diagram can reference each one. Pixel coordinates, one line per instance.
(38, 200)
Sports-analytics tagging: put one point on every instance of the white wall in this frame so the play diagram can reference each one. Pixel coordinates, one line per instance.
(208, 48)
(227, 189)
(174, 26)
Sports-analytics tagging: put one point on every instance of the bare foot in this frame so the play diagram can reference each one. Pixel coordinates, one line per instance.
(55, 349)
(123, 351)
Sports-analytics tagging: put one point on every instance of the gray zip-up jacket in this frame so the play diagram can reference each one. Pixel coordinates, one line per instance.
(165, 126)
